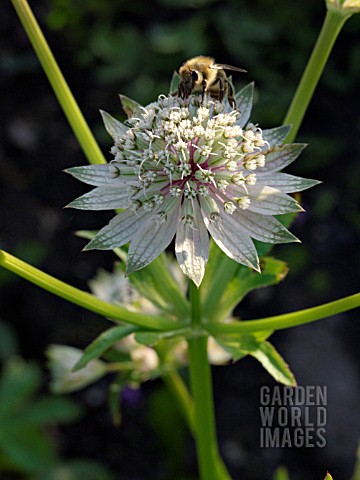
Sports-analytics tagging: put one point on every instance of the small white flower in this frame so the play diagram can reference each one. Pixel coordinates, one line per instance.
(216, 354)
(62, 359)
(145, 359)
(345, 6)
(214, 173)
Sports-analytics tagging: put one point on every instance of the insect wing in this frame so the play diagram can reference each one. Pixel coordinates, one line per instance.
(222, 66)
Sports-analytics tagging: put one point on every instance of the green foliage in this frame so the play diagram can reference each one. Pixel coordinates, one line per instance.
(24, 446)
(226, 283)
(255, 345)
(243, 282)
(165, 419)
(102, 343)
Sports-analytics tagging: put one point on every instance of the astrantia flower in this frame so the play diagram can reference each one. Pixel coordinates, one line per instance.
(186, 169)
(344, 6)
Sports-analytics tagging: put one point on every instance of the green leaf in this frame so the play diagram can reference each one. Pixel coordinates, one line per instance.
(244, 101)
(27, 448)
(272, 361)
(113, 126)
(277, 135)
(256, 345)
(104, 341)
(328, 476)
(131, 107)
(49, 410)
(175, 82)
(156, 283)
(18, 382)
(244, 281)
(240, 345)
(151, 338)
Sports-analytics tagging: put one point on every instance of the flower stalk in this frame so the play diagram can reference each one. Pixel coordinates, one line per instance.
(288, 320)
(194, 161)
(210, 466)
(65, 97)
(333, 23)
(84, 299)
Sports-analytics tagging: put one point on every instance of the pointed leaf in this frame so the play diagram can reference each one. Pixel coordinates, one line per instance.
(114, 128)
(192, 246)
(131, 107)
(263, 227)
(152, 239)
(96, 175)
(276, 136)
(278, 158)
(232, 239)
(257, 346)
(175, 82)
(151, 338)
(119, 231)
(103, 342)
(242, 344)
(103, 198)
(286, 183)
(244, 281)
(270, 201)
(272, 361)
(244, 99)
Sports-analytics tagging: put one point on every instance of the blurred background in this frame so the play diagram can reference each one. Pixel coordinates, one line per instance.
(109, 47)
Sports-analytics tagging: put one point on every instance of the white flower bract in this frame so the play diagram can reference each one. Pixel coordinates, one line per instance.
(188, 170)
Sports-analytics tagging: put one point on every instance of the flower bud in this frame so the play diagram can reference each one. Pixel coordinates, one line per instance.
(62, 360)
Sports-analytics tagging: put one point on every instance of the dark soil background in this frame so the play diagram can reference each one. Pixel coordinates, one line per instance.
(107, 47)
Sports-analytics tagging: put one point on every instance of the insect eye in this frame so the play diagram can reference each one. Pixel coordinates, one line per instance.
(194, 75)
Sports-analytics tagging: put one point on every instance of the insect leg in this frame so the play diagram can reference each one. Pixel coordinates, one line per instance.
(231, 95)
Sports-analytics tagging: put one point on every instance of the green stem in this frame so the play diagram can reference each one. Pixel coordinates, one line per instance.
(210, 466)
(334, 21)
(288, 320)
(84, 299)
(58, 83)
(221, 278)
(178, 389)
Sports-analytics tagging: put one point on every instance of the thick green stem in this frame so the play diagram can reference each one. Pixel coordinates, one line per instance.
(58, 83)
(210, 466)
(84, 299)
(288, 320)
(334, 21)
